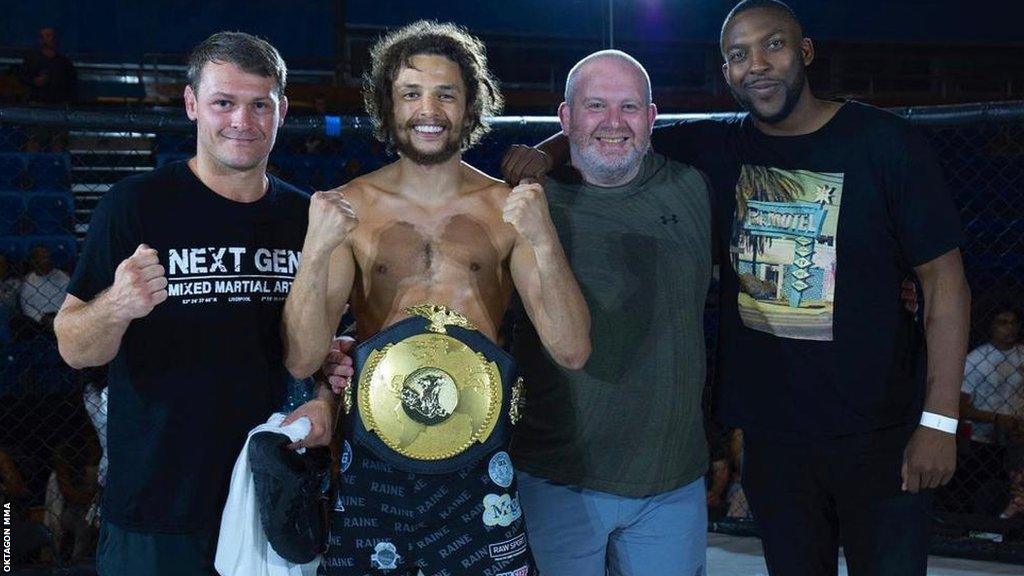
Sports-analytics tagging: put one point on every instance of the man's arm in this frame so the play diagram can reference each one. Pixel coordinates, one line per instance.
(523, 161)
(930, 457)
(323, 409)
(545, 282)
(89, 333)
(322, 284)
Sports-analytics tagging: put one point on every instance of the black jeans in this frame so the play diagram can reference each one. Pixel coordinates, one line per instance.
(810, 495)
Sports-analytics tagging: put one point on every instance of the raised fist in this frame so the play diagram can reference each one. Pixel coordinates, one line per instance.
(331, 219)
(526, 209)
(523, 161)
(139, 284)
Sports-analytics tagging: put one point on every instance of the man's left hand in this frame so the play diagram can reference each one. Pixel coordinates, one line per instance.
(320, 412)
(929, 459)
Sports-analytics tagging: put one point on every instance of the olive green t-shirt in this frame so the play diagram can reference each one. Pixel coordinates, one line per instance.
(630, 421)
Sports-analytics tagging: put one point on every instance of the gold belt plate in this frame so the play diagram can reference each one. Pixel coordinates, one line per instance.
(430, 396)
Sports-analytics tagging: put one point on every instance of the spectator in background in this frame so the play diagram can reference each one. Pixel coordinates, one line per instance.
(49, 75)
(992, 401)
(1015, 495)
(992, 396)
(27, 537)
(737, 499)
(9, 289)
(51, 79)
(43, 290)
(9, 286)
(75, 465)
(317, 143)
(717, 478)
(94, 395)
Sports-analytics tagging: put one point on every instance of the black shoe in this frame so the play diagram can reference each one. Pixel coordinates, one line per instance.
(288, 496)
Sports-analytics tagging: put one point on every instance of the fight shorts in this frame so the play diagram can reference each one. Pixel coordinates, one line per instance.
(391, 522)
(426, 482)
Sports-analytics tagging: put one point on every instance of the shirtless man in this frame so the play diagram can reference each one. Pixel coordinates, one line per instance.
(429, 228)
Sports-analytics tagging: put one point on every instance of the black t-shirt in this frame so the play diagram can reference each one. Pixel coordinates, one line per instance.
(205, 366)
(815, 234)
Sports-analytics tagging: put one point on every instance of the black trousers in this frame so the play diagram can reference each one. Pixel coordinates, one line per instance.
(810, 495)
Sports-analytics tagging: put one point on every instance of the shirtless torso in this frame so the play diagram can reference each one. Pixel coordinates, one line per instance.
(431, 230)
(454, 253)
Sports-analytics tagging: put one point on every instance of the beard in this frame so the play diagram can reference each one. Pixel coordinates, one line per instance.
(792, 96)
(602, 169)
(404, 146)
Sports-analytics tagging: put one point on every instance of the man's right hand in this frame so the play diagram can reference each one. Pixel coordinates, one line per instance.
(331, 219)
(338, 366)
(139, 284)
(523, 161)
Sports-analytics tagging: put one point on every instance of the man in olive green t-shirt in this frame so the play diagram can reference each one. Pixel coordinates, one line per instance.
(611, 458)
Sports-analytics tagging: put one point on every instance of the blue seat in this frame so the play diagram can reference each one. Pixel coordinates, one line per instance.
(49, 170)
(13, 247)
(12, 208)
(12, 138)
(63, 249)
(50, 213)
(12, 166)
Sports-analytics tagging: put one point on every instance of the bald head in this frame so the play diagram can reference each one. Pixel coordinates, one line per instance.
(779, 8)
(607, 58)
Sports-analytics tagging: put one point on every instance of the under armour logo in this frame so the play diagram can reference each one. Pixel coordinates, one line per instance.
(670, 218)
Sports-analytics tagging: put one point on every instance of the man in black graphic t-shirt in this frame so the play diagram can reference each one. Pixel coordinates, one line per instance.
(848, 409)
(181, 286)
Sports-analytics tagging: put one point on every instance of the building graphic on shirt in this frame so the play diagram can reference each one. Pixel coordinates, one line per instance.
(783, 250)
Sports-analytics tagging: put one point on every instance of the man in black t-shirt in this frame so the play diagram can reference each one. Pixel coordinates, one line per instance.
(180, 287)
(848, 409)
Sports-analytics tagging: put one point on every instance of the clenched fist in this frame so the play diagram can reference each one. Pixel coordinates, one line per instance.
(526, 209)
(331, 219)
(139, 284)
(523, 161)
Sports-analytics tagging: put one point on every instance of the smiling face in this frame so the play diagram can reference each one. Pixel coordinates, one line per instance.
(237, 115)
(765, 59)
(608, 121)
(429, 107)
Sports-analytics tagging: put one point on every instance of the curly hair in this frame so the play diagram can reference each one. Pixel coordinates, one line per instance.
(426, 37)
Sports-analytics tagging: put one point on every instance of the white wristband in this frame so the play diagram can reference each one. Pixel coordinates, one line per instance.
(939, 422)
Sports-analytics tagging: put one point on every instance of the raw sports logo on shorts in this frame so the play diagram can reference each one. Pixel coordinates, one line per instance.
(521, 571)
(508, 548)
(501, 510)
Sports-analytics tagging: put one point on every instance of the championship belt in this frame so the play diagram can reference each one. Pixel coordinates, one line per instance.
(432, 395)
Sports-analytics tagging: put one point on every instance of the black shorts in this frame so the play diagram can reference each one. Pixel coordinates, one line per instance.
(387, 521)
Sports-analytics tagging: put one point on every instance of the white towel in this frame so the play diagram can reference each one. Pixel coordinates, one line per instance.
(242, 549)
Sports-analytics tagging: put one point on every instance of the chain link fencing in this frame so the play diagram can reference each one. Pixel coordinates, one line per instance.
(55, 165)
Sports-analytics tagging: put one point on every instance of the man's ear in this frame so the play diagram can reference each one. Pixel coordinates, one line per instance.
(191, 103)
